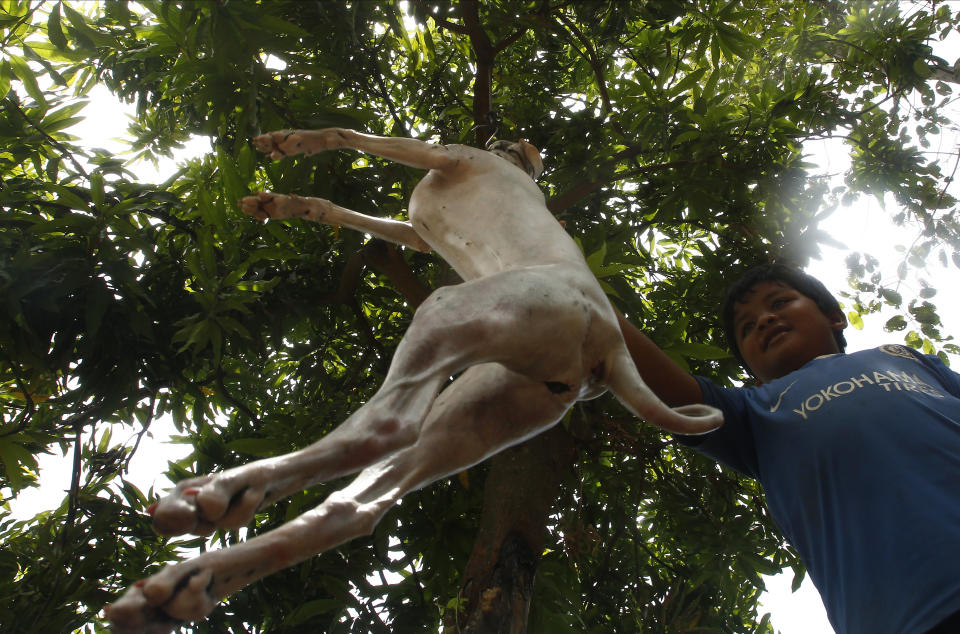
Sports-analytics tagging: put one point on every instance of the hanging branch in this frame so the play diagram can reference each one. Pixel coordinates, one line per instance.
(74, 495)
(594, 61)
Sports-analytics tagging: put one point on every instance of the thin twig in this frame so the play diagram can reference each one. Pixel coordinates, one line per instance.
(27, 413)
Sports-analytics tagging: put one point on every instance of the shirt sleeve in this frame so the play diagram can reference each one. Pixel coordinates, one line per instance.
(733, 444)
(949, 378)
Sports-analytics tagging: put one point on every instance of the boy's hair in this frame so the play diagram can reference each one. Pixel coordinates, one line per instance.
(794, 278)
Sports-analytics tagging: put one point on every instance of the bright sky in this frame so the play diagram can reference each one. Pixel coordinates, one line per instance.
(861, 227)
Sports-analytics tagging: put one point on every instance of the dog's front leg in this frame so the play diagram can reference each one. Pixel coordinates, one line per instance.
(412, 152)
(279, 206)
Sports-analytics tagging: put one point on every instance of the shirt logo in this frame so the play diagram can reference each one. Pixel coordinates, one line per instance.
(776, 406)
(899, 351)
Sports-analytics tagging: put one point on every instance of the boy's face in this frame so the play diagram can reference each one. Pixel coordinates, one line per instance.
(779, 329)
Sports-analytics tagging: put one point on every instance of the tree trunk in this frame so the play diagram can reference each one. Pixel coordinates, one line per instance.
(498, 580)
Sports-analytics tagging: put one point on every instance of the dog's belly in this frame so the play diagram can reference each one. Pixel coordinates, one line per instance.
(488, 223)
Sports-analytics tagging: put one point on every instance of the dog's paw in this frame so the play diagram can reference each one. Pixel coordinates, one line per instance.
(156, 605)
(133, 614)
(292, 142)
(200, 505)
(279, 144)
(190, 590)
(263, 206)
(260, 205)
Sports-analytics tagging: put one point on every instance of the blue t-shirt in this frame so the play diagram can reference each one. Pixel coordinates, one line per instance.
(859, 455)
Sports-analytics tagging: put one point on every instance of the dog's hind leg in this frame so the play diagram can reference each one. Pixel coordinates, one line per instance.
(483, 320)
(485, 410)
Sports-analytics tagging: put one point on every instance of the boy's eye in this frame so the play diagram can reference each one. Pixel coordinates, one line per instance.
(780, 302)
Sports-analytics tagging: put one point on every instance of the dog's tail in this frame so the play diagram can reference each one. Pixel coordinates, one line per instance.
(624, 381)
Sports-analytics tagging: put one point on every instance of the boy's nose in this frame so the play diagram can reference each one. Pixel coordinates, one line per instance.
(766, 320)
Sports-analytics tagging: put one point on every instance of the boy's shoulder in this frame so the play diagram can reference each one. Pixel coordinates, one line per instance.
(891, 366)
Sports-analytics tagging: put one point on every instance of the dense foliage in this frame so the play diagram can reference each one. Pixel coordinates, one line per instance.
(672, 132)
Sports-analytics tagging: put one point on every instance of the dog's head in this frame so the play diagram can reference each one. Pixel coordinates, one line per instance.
(521, 154)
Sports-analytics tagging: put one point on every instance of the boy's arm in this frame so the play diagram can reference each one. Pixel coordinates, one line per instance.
(669, 381)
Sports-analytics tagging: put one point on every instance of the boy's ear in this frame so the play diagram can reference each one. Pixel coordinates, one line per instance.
(838, 321)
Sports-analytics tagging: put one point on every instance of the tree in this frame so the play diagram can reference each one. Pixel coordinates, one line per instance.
(673, 136)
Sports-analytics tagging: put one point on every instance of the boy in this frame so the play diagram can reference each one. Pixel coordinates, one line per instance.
(859, 454)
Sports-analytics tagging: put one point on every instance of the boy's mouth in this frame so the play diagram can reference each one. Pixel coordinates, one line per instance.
(774, 334)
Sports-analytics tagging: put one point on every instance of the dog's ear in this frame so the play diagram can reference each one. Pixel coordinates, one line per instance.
(532, 154)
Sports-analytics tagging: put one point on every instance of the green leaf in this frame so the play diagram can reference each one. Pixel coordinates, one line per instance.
(234, 185)
(5, 74)
(311, 609)
(855, 319)
(798, 577)
(688, 81)
(921, 68)
(895, 324)
(95, 309)
(67, 197)
(892, 297)
(257, 447)
(689, 135)
(64, 113)
(701, 351)
(54, 30)
(96, 189)
(88, 36)
(595, 259)
(23, 72)
(18, 463)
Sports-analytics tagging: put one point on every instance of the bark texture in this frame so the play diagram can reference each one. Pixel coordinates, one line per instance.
(521, 488)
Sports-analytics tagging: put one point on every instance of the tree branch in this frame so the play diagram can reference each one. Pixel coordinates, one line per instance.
(386, 259)
(592, 59)
(483, 81)
(513, 526)
(142, 432)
